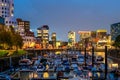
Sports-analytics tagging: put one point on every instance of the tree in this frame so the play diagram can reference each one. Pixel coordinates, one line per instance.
(9, 38)
(18, 41)
(117, 42)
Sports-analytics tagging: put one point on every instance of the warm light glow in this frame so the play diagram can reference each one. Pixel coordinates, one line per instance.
(101, 30)
(32, 44)
(114, 65)
(35, 75)
(2, 4)
(58, 52)
(45, 75)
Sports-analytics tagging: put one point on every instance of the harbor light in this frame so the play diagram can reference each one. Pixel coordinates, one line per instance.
(114, 65)
(45, 75)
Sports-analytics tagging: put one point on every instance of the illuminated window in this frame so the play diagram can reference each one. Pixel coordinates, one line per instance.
(45, 31)
(2, 4)
(39, 31)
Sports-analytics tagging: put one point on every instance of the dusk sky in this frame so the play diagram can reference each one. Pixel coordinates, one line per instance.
(64, 15)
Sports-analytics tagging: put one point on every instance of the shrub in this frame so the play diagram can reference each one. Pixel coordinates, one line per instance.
(3, 53)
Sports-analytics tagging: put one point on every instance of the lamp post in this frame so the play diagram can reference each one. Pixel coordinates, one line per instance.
(92, 60)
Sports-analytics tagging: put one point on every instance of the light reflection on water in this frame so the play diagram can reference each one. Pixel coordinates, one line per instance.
(42, 75)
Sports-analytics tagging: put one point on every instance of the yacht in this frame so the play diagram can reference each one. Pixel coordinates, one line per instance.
(25, 62)
(40, 68)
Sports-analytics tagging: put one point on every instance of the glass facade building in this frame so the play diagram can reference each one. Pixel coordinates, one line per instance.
(115, 31)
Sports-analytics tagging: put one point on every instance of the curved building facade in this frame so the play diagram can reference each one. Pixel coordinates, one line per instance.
(7, 12)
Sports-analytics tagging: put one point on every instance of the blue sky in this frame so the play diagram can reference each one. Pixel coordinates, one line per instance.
(65, 15)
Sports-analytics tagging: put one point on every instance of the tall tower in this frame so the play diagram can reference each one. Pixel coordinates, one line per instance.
(7, 12)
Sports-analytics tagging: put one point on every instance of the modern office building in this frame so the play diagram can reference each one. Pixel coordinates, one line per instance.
(2, 20)
(24, 31)
(85, 37)
(84, 34)
(43, 35)
(71, 38)
(102, 38)
(29, 40)
(23, 25)
(7, 12)
(101, 33)
(1, 23)
(115, 31)
(53, 39)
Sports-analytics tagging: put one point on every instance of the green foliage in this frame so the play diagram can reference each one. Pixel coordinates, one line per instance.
(19, 52)
(117, 42)
(10, 38)
(3, 53)
(18, 41)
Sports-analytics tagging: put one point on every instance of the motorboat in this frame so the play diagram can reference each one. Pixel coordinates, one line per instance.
(25, 62)
(51, 68)
(40, 68)
(60, 68)
(100, 58)
(80, 60)
(4, 77)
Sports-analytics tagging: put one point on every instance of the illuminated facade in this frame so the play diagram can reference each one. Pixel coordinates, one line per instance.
(84, 34)
(43, 35)
(101, 33)
(85, 37)
(103, 39)
(53, 38)
(7, 12)
(27, 35)
(71, 38)
(115, 31)
(23, 25)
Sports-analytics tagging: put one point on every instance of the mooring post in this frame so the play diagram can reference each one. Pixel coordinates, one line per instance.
(106, 66)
